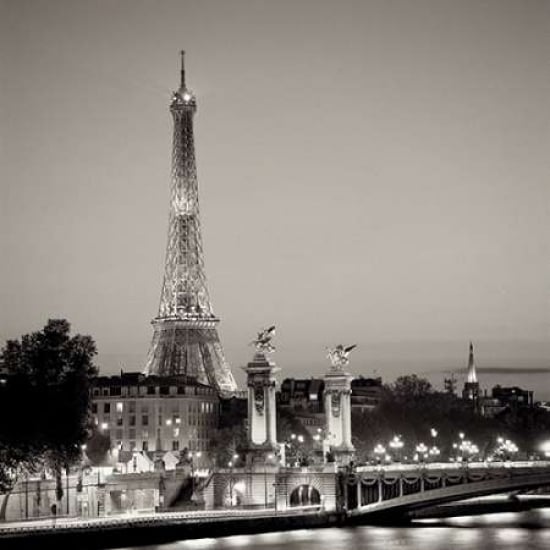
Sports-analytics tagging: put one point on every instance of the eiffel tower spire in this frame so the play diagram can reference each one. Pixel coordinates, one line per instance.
(185, 338)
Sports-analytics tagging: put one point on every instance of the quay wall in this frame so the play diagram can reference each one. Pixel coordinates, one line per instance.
(158, 532)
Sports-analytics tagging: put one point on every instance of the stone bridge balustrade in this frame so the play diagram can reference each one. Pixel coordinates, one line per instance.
(398, 488)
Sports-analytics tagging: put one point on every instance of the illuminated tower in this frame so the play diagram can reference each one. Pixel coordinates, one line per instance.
(185, 338)
(471, 386)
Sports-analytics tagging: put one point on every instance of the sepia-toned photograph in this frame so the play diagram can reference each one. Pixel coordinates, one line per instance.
(275, 274)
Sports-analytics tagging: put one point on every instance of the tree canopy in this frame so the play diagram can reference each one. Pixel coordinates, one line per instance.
(44, 400)
(411, 408)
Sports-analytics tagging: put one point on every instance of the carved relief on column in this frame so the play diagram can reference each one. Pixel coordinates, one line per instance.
(335, 403)
(258, 392)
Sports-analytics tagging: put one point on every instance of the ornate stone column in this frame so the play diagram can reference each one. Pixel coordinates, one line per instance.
(262, 412)
(338, 405)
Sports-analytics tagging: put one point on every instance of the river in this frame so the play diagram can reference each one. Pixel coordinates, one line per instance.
(517, 531)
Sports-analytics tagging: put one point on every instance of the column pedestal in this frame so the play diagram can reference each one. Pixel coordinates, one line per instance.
(262, 412)
(338, 414)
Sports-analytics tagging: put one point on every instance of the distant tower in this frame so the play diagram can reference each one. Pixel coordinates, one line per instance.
(185, 338)
(471, 386)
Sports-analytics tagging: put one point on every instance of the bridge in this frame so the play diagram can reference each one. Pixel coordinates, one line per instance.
(372, 493)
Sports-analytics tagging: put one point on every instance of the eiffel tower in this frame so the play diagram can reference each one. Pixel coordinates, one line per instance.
(185, 338)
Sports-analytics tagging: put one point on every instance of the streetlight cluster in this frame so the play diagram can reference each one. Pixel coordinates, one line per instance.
(505, 448)
(295, 454)
(233, 462)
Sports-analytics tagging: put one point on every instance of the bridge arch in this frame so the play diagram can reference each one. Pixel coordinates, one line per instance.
(305, 495)
(404, 490)
(321, 485)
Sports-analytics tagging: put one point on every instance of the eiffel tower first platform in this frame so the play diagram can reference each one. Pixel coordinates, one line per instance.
(185, 339)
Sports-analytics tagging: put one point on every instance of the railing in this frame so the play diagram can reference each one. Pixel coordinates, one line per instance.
(453, 465)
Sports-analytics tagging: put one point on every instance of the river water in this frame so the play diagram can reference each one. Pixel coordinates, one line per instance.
(517, 531)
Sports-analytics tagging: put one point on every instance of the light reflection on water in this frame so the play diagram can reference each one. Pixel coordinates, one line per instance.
(509, 531)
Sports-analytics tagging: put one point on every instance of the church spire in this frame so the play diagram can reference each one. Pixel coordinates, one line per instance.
(472, 374)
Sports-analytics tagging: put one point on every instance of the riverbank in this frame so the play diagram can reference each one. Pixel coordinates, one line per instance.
(136, 530)
(160, 530)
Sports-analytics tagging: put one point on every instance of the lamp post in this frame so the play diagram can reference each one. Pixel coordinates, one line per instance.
(506, 448)
(230, 464)
(379, 452)
(434, 452)
(545, 449)
(191, 456)
(422, 450)
(396, 444)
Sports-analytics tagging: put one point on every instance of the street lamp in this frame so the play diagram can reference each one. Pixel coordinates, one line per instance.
(379, 451)
(434, 452)
(506, 448)
(422, 450)
(545, 448)
(231, 480)
(191, 456)
(397, 444)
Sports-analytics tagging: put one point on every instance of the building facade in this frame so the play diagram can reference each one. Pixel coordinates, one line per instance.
(152, 413)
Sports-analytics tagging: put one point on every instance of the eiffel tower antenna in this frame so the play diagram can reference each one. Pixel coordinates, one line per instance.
(185, 336)
(182, 80)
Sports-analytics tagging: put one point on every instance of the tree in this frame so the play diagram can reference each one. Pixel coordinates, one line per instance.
(411, 386)
(44, 402)
(98, 447)
(229, 441)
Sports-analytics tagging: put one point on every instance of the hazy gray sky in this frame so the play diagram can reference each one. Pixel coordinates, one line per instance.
(371, 172)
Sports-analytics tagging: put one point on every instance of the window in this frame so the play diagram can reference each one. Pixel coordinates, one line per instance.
(94, 408)
(119, 421)
(132, 433)
(133, 420)
(132, 445)
(106, 408)
(119, 407)
(176, 432)
(96, 391)
(150, 390)
(144, 420)
(105, 391)
(119, 434)
(145, 446)
(132, 406)
(144, 434)
(175, 445)
(176, 419)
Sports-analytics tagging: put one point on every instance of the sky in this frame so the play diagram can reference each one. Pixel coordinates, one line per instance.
(370, 172)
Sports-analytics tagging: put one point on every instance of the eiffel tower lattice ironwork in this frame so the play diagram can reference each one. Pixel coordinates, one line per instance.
(185, 339)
